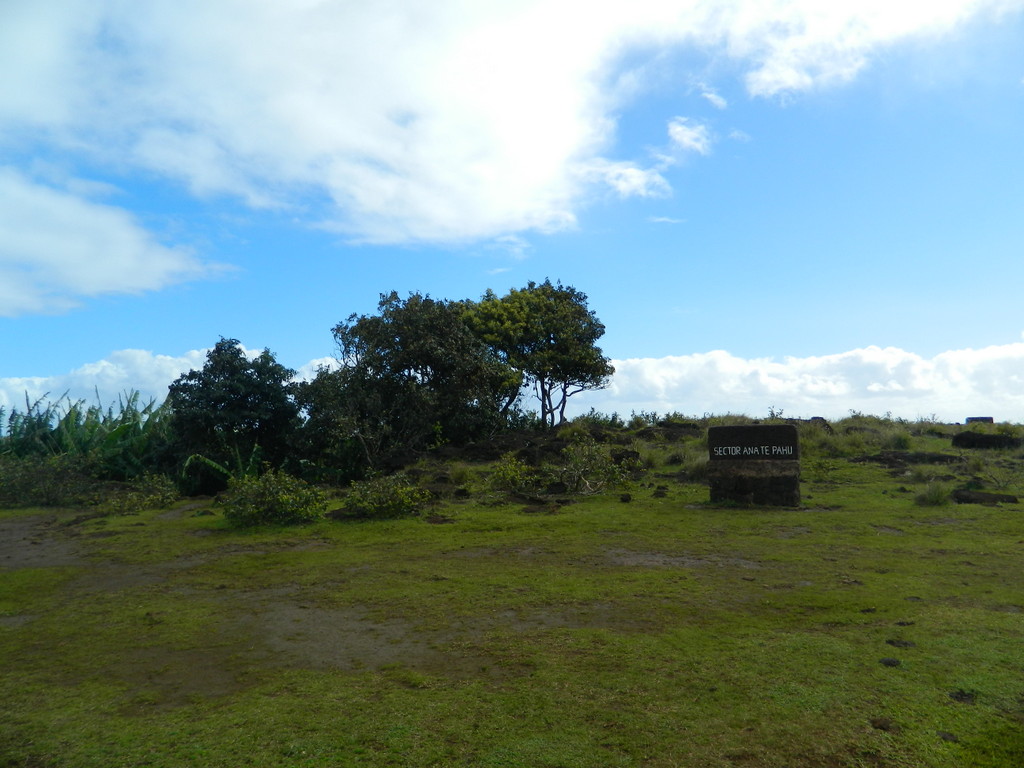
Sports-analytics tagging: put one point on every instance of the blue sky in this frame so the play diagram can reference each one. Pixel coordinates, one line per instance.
(788, 205)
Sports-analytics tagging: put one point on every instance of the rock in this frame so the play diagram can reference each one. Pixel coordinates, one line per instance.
(962, 696)
(884, 724)
(982, 497)
(982, 440)
(889, 662)
(623, 455)
(901, 643)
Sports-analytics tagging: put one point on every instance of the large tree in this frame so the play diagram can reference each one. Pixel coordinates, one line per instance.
(548, 334)
(415, 374)
(234, 407)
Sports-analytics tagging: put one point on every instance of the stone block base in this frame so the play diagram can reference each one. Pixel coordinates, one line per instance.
(759, 483)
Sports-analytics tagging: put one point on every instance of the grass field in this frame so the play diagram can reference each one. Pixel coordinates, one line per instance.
(862, 629)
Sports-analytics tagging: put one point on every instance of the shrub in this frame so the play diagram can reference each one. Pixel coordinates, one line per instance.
(274, 498)
(150, 491)
(934, 495)
(588, 468)
(386, 496)
(46, 481)
(897, 441)
(512, 475)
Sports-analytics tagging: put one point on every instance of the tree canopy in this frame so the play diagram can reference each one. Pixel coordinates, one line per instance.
(234, 406)
(548, 334)
(415, 374)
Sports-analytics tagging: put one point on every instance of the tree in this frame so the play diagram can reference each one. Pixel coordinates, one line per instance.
(547, 334)
(234, 407)
(415, 374)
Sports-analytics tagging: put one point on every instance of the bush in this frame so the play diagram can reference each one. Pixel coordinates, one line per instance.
(384, 497)
(274, 498)
(150, 491)
(588, 468)
(934, 495)
(512, 475)
(46, 481)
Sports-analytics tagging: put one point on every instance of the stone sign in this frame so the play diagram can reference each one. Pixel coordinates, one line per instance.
(757, 464)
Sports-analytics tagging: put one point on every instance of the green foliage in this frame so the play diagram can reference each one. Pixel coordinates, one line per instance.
(236, 468)
(274, 498)
(385, 497)
(149, 491)
(934, 495)
(412, 377)
(232, 405)
(46, 481)
(594, 418)
(547, 333)
(511, 475)
(117, 444)
(588, 468)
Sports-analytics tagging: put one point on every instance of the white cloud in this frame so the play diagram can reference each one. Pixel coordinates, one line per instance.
(630, 180)
(713, 98)
(123, 371)
(57, 247)
(443, 121)
(951, 385)
(127, 370)
(690, 136)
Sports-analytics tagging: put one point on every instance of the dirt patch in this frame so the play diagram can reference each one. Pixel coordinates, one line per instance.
(295, 634)
(792, 532)
(36, 541)
(160, 678)
(625, 557)
(598, 615)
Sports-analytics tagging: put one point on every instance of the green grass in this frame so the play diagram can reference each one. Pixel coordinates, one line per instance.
(660, 632)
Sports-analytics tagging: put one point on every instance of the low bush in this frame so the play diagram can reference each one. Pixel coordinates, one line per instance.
(385, 496)
(46, 481)
(511, 475)
(274, 498)
(150, 491)
(589, 468)
(934, 495)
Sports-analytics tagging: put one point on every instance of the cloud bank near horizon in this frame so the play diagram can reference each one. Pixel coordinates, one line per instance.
(950, 386)
(389, 123)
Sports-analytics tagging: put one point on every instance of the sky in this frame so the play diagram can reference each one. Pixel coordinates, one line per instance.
(772, 205)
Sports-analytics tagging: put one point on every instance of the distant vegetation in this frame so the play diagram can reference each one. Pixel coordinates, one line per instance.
(422, 378)
(420, 374)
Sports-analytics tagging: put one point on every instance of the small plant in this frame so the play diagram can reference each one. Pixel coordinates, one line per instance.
(896, 441)
(588, 468)
(512, 475)
(275, 498)
(385, 497)
(934, 495)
